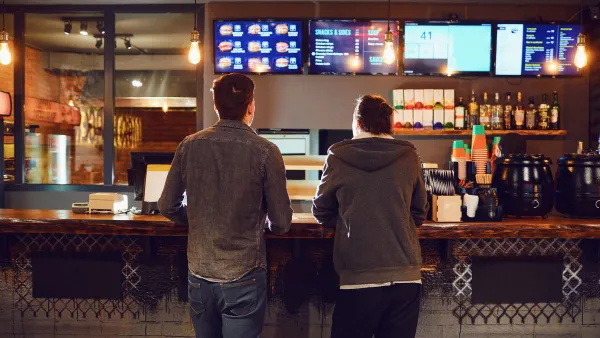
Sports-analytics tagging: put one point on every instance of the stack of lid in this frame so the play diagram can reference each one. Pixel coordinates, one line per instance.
(479, 152)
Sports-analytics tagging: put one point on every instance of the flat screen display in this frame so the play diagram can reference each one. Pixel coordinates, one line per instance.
(270, 46)
(536, 49)
(349, 47)
(442, 47)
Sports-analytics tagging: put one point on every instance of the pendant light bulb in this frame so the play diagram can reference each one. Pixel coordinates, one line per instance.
(165, 107)
(5, 55)
(194, 54)
(71, 103)
(389, 52)
(580, 55)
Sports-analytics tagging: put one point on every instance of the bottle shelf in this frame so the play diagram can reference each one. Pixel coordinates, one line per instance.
(412, 132)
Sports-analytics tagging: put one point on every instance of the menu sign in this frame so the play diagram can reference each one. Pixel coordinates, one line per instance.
(39, 110)
(536, 49)
(258, 46)
(338, 47)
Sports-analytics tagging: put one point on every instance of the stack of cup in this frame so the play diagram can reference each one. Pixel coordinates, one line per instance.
(468, 152)
(460, 156)
(479, 152)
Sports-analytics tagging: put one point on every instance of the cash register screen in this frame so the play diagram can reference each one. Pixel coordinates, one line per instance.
(156, 176)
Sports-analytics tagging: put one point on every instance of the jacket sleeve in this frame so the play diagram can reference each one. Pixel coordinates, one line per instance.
(279, 209)
(325, 204)
(170, 202)
(419, 205)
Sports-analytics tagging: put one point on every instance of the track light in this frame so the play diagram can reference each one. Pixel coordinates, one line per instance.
(68, 27)
(100, 27)
(127, 43)
(98, 43)
(83, 28)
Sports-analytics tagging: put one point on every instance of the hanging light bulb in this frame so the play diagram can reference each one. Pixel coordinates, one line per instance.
(449, 71)
(165, 107)
(580, 55)
(5, 56)
(194, 53)
(389, 52)
(71, 103)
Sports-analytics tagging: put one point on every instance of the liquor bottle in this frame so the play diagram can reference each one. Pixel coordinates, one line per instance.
(497, 114)
(485, 113)
(555, 112)
(531, 115)
(519, 113)
(508, 113)
(459, 115)
(473, 111)
(543, 122)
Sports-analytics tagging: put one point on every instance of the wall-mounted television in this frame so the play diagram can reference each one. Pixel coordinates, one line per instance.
(439, 47)
(258, 46)
(532, 49)
(349, 47)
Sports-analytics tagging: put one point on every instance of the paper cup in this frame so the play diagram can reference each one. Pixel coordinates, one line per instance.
(471, 202)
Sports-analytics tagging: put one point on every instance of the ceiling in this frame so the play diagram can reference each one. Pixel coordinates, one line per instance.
(162, 33)
(124, 2)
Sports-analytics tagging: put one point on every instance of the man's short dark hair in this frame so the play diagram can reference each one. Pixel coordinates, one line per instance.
(232, 94)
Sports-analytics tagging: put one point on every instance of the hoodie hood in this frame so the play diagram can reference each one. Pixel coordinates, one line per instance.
(371, 154)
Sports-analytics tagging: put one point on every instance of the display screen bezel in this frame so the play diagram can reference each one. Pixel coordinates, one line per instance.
(397, 43)
(556, 23)
(303, 46)
(455, 23)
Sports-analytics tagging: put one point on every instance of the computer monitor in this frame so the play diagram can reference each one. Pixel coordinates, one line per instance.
(136, 175)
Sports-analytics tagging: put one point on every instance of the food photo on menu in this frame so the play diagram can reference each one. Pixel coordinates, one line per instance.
(258, 46)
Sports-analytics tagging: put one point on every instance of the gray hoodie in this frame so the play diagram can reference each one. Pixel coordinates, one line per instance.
(373, 191)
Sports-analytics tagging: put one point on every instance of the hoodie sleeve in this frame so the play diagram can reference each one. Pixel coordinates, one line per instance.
(325, 204)
(419, 205)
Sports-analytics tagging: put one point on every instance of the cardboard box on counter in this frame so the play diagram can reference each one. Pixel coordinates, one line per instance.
(446, 208)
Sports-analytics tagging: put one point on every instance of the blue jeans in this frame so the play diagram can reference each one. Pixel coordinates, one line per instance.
(229, 310)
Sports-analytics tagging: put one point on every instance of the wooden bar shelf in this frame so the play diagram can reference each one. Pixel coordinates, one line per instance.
(412, 132)
(304, 162)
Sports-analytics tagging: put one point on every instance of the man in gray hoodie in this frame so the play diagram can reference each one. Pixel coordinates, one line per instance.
(373, 192)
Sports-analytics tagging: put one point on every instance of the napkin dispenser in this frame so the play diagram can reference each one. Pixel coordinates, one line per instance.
(108, 203)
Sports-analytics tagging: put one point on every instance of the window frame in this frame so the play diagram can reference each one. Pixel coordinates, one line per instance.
(110, 12)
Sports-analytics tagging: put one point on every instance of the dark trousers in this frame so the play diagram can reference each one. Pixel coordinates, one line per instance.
(229, 310)
(386, 312)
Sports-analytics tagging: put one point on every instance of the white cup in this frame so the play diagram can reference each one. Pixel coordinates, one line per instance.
(471, 202)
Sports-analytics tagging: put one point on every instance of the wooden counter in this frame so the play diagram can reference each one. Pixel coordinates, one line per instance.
(304, 226)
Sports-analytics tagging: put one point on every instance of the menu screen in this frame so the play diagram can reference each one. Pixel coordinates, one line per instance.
(442, 48)
(258, 46)
(347, 47)
(536, 49)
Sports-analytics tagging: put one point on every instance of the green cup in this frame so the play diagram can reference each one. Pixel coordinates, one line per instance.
(458, 144)
(497, 140)
(478, 129)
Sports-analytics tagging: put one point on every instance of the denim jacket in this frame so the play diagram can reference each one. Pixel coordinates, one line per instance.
(233, 178)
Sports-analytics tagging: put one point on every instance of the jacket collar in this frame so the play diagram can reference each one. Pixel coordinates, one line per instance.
(365, 134)
(234, 124)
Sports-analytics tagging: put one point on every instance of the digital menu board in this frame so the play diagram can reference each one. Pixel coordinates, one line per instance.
(272, 46)
(349, 47)
(442, 47)
(536, 49)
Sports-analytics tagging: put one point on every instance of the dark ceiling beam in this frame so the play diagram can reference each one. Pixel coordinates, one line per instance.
(62, 9)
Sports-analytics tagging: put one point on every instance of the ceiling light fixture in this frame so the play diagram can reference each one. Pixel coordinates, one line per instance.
(127, 43)
(98, 43)
(194, 53)
(83, 28)
(68, 27)
(389, 51)
(100, 27)
(137, 83)
(580, 55)
(165, 107)
(5, 56)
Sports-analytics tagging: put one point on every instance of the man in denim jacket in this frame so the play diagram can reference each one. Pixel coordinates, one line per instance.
(233, 179)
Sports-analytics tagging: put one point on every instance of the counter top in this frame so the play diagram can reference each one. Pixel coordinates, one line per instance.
(304, 226)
